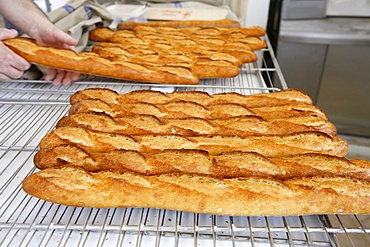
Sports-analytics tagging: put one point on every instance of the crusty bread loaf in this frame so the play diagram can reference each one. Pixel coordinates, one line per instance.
(249, 36)
(156, 56)
(91, 63)
(74, 186)
(203, 64)
(276, 145)
(234, 126)
(181, 38)
(146, 53)
(283, 97)
(181, 44)
(185, 109)
(102, 34)
(105, 34)
(224, 165)
(225, 23)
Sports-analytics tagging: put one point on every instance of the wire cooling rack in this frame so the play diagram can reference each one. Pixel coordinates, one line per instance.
(30, 109)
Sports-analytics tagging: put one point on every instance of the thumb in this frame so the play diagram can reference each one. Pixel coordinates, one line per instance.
(7, 33)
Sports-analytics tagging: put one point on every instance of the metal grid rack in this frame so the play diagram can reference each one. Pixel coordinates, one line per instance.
(30, 109)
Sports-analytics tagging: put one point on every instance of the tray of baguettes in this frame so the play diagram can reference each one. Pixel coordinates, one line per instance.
(271, 154)
(155, 52)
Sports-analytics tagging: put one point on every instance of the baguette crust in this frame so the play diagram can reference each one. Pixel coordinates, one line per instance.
(92, 64)
(185, 109)
(74, 186)
(224, 165)
(236, 126)
(225, 23)
(149, 44)
(248, 38)
(305, 142)
(283, 97)
(147, 54)
(205, 64)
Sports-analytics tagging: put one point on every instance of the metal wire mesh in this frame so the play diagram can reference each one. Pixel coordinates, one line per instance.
(30, 109)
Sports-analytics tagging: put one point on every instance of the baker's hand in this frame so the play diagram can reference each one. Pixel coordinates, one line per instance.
(61, 76)
(12, 66)
(50, 35)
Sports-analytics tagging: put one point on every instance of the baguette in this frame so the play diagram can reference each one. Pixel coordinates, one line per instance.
(153, 54)
(225, 23)
(224, 165)
(248, 38)
(102, 34)
(283, 97)
(235, 126)
(190, 45)
(90, 63)
(305, 142)
(190, 109)
(74, 186)
(205, 64)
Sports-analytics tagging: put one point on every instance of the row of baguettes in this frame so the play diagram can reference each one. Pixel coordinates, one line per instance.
(274, 145)
(92, 154)
(242, 126)
(153, 57)
(207, 52)
(205, 38)
(92, 64)
(187, 109)
(74, 186)
(199, 162)
(224, 23)
(202, 63)
(111, 97)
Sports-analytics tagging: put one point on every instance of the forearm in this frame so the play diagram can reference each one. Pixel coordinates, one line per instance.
(24, 14)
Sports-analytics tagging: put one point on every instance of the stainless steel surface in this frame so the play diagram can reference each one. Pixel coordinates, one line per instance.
(344, 89)
(327, 31)
(30, 109)
(328, 59)
(303, 9)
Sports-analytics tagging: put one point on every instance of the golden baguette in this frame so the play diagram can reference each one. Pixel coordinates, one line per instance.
(104, 34)
(279, 145)
(283, 97)
(151, 54)
(185, 109)
(146, 54)
(190, 46)
(235, 126)
(252, 31)
(226, 23)
(206, 64)
(90, 63)
(224, 165)
(74, 186)
(249, 37)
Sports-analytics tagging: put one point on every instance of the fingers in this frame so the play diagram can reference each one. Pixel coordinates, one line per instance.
(12, 66)
(7, 33)
(61, 77)
(50, 35)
